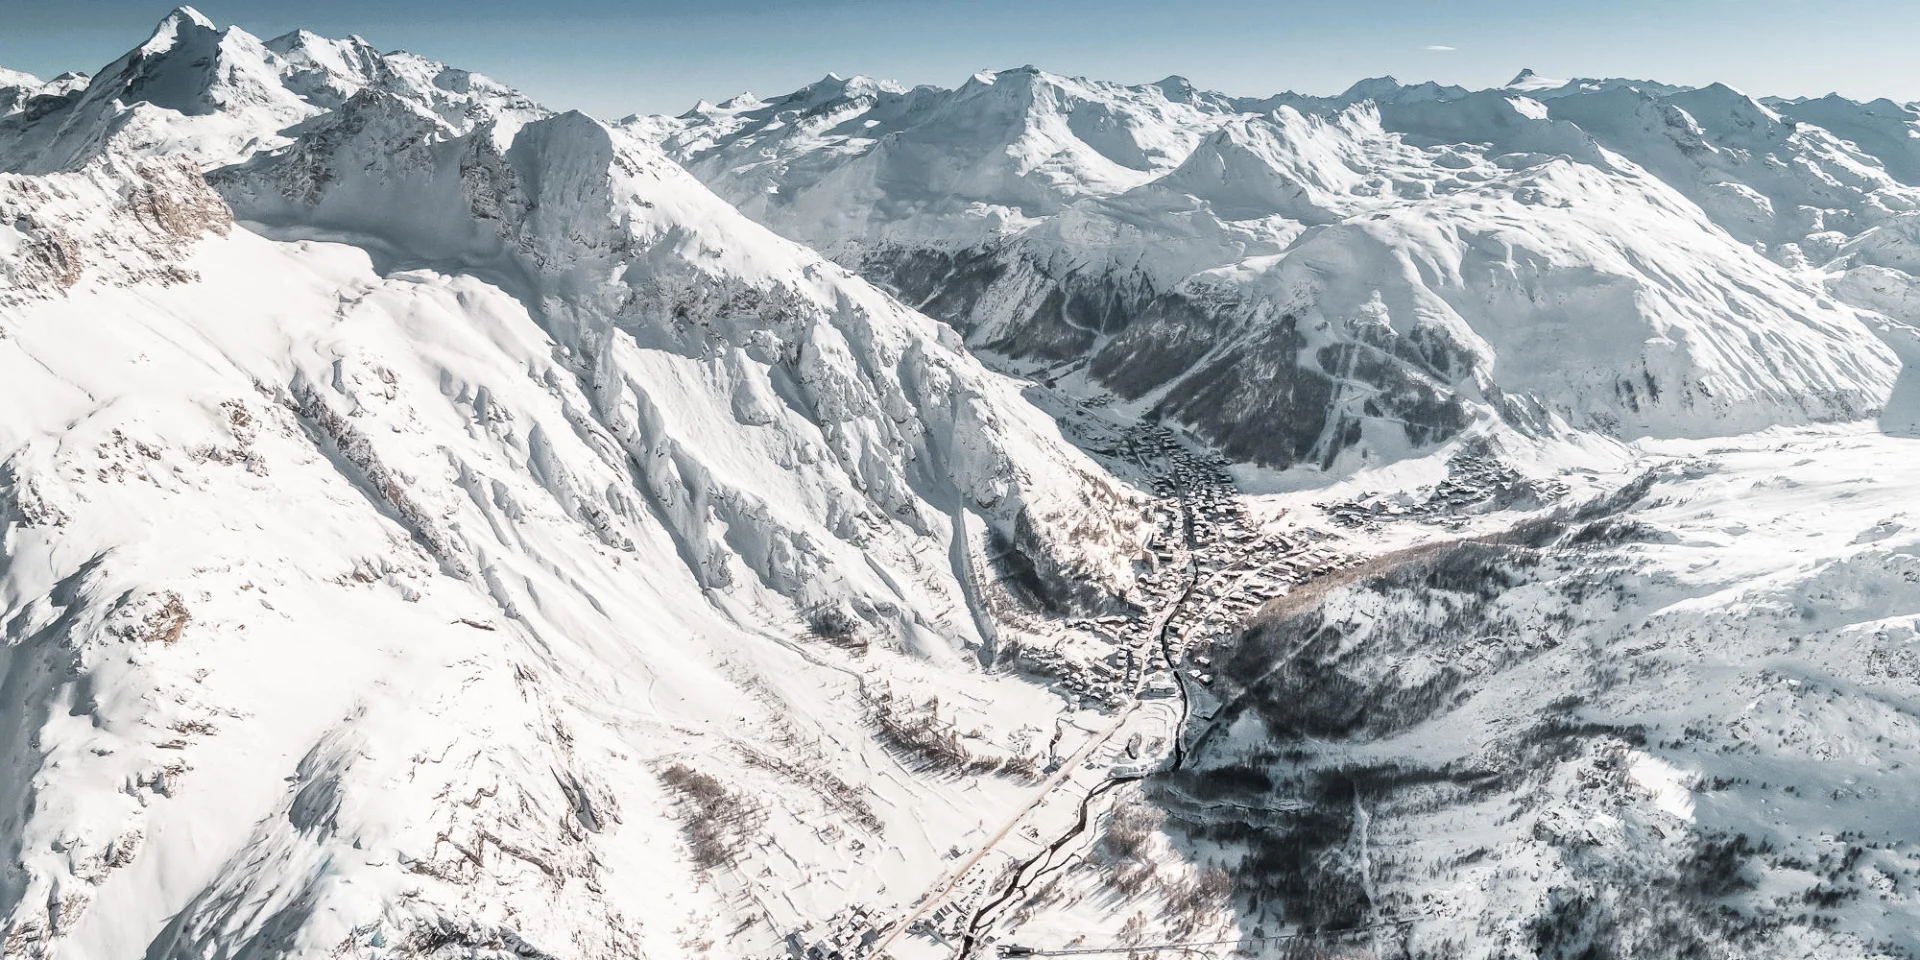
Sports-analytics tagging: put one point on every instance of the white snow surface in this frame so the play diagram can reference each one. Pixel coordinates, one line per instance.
(371, 561)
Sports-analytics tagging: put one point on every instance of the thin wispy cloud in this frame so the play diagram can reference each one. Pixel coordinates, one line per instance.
(1439, 48)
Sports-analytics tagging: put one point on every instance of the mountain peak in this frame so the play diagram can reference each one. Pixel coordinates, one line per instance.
(1024, 73)
(1372, 88)
(1527, 80)
(172, 26)
(830, 87)
(1176, 88)
(1724, 91)
(1727, 98)
(298, 40)
(187, 14)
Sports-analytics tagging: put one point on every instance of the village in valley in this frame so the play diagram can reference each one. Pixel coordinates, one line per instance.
(1210, 566)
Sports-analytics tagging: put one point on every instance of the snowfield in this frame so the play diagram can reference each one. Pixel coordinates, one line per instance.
(914, 522)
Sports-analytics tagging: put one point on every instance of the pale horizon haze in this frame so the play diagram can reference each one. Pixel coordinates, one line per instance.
(613, 59)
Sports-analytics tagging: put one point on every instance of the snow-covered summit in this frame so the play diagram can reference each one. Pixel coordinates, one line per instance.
(1001, 148)
(1526, 81)
(1388, 90)
(219, 94)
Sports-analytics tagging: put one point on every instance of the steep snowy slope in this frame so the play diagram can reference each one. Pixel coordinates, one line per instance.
(16, 89)
(1374, 273)
(610, 238)
(1531, 295)
(492, 544)
(1761, 176)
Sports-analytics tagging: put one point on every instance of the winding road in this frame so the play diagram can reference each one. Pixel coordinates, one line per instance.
(1028, 871)
(1025, 874)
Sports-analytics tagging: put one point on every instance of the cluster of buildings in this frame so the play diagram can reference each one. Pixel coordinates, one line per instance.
(1212, 568)
(850, 934)
(1475, 483)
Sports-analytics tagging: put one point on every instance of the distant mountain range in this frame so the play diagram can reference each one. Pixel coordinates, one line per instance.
(1329, 281)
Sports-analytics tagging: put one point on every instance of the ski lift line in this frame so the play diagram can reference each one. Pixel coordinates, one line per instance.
(1016, 950)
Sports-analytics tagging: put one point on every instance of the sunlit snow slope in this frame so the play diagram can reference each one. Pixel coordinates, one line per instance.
(408, 536)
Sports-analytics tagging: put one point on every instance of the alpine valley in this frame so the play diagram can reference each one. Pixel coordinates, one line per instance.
(1043, 516)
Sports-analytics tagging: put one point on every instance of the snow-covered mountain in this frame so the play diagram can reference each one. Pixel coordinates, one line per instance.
(437, 526)
(1329, 280)
(400, 513)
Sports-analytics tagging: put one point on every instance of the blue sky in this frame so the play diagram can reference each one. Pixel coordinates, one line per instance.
(612, 58)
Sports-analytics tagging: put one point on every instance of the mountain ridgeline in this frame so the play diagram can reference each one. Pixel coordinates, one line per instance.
(1329, 281)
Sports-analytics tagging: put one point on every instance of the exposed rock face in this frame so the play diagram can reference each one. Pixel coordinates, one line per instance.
(131, 221)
